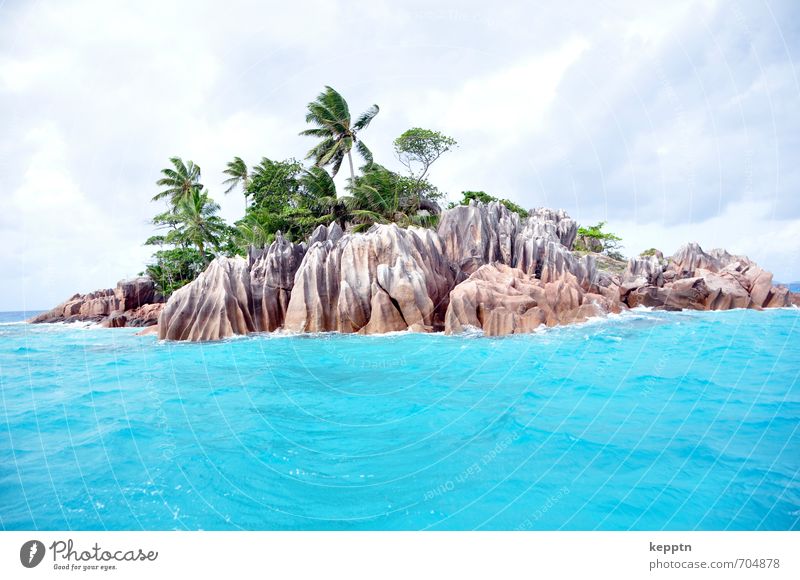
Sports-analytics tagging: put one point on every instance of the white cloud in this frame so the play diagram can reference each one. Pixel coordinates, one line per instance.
(672, 122)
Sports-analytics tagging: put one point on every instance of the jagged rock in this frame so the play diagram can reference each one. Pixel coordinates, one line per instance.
(145, 315)
(480, 234)
(779, 297)
(477, 234)
(330, 233)
(100, 305)
(725, 290)
(691, 257)
(136, 292)
(552, 223)
(734, 272)
(683, 294)
(271, 281)
(91, 307)
(485, 267)
(643, 271)
(116, 319)
(215, 305)
(502, 300)
(340, 280)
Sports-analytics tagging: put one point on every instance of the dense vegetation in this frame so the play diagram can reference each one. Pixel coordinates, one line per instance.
(594, 239)
(290, 197)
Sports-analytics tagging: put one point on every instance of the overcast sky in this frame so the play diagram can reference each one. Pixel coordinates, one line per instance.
(676, 122)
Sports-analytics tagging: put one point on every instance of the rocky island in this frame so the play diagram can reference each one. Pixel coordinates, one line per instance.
(484, 267)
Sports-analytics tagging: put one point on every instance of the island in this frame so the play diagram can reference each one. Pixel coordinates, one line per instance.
(385, 257)
(485, 267)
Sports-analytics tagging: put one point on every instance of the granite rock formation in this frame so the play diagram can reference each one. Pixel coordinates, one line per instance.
(133, 302)
(502, 300)
(384, 280)
(236, 296)
(215, 305)
(484, 267)
(271, 281)
(695, 279)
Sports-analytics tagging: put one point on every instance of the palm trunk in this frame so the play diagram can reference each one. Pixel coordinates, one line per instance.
(352, 173)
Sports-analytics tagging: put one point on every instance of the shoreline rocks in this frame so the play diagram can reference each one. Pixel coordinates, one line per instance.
(133, 302)
(483, 267)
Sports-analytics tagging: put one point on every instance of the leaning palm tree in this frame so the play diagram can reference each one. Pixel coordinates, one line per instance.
(179, 181)
(239, 176)
(331, 117)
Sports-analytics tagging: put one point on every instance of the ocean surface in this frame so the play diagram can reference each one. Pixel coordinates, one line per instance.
(645, 421)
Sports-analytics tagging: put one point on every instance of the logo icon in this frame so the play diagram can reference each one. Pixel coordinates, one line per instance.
(31, 553)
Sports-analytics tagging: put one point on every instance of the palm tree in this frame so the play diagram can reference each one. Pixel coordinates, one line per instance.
(199, 223)
(318, 194)
(382, 196)
(237, 169)
(331, 117)
(180, 181)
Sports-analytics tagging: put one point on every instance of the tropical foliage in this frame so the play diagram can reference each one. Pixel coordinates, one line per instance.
(292, 198)
(379, 195)
(237, 177)
(330, 116)
(417, 149)
(594, 239)
(178, 181)
(482, 196)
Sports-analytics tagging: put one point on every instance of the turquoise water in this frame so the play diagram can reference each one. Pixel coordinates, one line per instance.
(18, 315)
(649, 420)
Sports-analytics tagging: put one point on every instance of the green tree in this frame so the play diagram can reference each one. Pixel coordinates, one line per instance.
(417, 149)
(175, 267)
(483, 197)
(178, 181)
(318, 195)
(289, 199)
(379, 195)
(330, 115)
(198, 223)
(273, 184)
(239, 177)
(594, 239)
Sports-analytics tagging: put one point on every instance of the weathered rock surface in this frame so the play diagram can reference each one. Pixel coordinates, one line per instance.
(477, 234)
(693, 278)
(271, 281)
(502, 300)
(383, 280)
(136, 292)
(215, 305)
(145, 315)
(539, 244)
(684, 294)
(124, 303)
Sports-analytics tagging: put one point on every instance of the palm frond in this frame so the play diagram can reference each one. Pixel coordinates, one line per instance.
(366, 117)
(364, 151)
